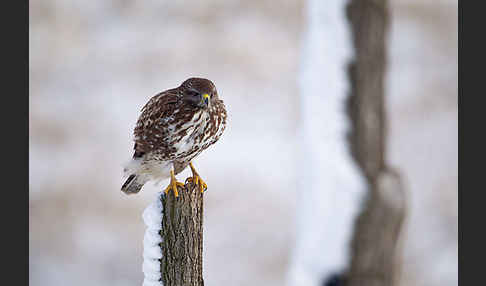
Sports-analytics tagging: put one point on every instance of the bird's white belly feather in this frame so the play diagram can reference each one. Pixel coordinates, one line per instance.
(148, 170)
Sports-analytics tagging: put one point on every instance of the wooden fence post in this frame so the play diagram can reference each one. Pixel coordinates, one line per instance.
(180, 229)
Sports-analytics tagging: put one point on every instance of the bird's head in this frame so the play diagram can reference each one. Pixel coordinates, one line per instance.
(199, 92)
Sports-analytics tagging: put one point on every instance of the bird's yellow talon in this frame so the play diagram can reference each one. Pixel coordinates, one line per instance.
(196, 179)
(203, 187)
(173, 185)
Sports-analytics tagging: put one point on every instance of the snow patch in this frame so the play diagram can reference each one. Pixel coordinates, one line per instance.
(152, 217)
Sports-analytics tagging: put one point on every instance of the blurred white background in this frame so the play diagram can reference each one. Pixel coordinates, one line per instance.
(94, 64)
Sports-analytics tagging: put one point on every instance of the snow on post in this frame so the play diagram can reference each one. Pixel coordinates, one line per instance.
(152, 253)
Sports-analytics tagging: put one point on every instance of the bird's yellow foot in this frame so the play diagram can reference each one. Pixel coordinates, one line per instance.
(173, 184)
(196, 179)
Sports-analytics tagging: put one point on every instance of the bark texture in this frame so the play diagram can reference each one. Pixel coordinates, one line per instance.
(377, 228)
(182, 238)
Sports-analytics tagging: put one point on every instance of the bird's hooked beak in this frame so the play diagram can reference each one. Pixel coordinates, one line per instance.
(204, 100)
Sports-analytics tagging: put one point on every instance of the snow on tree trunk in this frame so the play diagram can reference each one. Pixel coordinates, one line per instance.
(330, 188)
(378, 227)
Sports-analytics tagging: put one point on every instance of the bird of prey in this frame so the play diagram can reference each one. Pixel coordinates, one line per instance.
(175, 126)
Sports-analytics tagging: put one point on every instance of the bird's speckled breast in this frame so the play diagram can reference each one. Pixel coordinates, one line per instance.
(204, 129)
(187, 133)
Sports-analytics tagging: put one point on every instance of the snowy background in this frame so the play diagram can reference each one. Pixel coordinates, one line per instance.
(94, 64)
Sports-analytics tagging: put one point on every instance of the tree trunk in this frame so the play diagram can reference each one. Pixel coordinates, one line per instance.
(182, 238)
(377, 228)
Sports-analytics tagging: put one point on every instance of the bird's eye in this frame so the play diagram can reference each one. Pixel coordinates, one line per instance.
(193, 93)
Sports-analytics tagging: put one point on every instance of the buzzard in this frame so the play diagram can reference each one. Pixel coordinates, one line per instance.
(175, 126)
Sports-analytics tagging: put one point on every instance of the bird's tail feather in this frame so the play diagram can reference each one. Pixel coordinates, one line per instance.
(132, 185)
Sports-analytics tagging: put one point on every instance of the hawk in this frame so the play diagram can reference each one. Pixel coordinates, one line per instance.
(174, 127)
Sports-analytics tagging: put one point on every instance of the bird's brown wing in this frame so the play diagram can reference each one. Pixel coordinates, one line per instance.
(151, 132)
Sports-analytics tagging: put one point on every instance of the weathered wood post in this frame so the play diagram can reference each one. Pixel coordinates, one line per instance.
(178, 254)
(377, 228)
